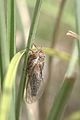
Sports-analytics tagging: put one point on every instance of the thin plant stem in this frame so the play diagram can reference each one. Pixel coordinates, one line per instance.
(24, 74)
(11, 27)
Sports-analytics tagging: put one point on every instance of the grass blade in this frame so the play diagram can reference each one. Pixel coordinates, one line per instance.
(3, 43)
(60, 101)
(11, 27)
(60, 54)
(64, 92)
(11, 34)
(76, 115)
(8, 85)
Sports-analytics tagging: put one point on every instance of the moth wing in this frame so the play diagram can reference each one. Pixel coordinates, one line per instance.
(27, 93)
(41, 90)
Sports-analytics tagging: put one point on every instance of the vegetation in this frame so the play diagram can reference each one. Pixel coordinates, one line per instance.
(48, 21)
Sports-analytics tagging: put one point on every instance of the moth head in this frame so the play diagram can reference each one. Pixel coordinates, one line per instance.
(37, 52)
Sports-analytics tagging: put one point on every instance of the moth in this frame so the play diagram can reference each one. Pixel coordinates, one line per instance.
(35, 84)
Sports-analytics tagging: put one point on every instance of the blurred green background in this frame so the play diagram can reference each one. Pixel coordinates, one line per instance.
(56, 18)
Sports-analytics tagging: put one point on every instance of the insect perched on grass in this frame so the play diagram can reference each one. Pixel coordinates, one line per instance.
(35, 84)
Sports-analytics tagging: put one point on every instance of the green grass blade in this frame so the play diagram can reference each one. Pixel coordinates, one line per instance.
(11, 27)
(76, 115)
(8, 85)
(56, 53)
(11, 34)
(30, 38)
(61, 98)
(65, 90)
(4, 56)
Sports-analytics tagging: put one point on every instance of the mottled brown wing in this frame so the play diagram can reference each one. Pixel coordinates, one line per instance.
(35, 86)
